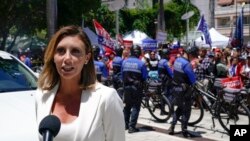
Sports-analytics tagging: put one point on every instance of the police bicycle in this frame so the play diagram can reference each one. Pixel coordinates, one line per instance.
(155, 99)
(229, 111)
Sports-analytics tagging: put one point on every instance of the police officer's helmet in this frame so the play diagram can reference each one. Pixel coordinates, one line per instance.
(118, 51)
(193, 50)
(136, 51)
(165, 52)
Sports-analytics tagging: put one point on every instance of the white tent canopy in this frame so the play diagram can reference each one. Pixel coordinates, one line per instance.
(218, 40)
(136, 36)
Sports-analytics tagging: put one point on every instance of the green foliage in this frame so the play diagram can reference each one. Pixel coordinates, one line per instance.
(174, 10)
(71, 12)
(141, 19)
(28, 17)
(104, 16)
(19, 17)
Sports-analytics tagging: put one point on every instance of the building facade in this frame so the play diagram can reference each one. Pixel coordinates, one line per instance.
(226, 13)
(223, 15)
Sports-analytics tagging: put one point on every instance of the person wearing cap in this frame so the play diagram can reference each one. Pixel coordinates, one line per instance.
(183, 80)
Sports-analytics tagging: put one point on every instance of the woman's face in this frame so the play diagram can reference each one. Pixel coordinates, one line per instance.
(70, 57)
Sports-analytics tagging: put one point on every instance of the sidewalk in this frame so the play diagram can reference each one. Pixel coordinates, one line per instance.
(151, 130)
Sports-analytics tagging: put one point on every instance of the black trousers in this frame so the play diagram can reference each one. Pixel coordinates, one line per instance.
(183, 101)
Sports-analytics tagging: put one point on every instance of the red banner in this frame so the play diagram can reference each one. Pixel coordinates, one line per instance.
(127, 43)
(232, 82)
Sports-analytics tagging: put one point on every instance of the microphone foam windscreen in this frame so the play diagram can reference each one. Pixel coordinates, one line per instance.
(51, 123)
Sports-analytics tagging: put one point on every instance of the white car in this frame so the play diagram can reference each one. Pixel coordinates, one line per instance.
(17, 103)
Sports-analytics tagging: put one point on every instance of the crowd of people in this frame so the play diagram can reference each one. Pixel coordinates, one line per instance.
(69, 88)
(183, 65)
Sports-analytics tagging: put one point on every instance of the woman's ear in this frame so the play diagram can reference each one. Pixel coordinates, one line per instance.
(87, 57)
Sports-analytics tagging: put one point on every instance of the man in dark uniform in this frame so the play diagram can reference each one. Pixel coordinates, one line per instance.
(164, 70)
(134, 73)
(100, 67)
(117, 64)
(165, 75)
(183, 80)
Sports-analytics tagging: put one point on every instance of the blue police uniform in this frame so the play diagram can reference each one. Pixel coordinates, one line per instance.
(134, 73)
(164, 69)
(101, 70)
(184, 77)
(117, 64)
(166, 75)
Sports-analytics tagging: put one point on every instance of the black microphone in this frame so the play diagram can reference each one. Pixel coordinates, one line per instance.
(49, 127)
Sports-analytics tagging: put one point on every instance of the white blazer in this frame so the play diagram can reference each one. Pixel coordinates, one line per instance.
(101, 113)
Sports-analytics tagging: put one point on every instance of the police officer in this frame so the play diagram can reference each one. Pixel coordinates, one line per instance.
(184, 78)
(134, 73)
(117, 61)
(164, 70)
(117, 64)
(165, 75)
(100, 67)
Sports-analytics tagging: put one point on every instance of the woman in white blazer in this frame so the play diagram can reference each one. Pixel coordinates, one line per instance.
(68, 89)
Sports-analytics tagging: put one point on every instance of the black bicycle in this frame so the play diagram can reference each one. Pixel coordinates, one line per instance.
(156, 101)
(233, 112)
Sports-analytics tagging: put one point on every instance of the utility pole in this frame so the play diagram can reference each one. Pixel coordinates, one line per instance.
(212, 9)
(51, 11)
(161, 19)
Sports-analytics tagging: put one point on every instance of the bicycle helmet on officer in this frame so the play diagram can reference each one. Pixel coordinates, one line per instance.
(193, 50)
(136, 51)
(118, 51)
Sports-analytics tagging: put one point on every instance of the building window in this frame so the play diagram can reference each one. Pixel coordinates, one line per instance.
(223, 22)
(246, 20)
(225, 2)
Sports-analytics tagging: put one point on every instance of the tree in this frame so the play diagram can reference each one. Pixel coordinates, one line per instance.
(16, 19)
(72, 12)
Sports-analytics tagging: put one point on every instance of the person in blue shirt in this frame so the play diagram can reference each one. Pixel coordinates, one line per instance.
(165, 75)
(134, 73)
(164, 70)
(117, 61)
(183, 80)
(100, 67)
(117, 64)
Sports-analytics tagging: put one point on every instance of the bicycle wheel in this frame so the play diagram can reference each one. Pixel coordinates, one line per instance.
(197, 113)
(233, 114)
(159, 107)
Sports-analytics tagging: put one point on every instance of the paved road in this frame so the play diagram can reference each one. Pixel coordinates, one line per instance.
(150, 130)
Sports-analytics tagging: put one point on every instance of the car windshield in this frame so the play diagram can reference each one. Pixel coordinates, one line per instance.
(14, 76)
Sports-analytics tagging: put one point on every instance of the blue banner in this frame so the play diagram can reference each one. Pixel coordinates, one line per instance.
(238, 34)
(203, 27)
(149, 44)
